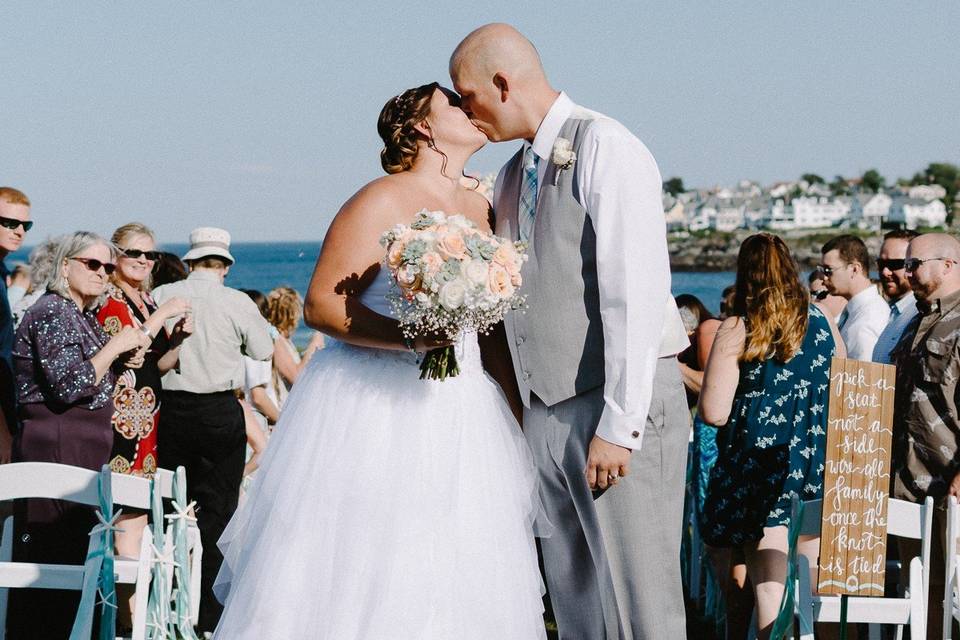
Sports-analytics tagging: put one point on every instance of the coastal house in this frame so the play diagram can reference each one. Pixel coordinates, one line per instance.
(810, 212)
(927, 192)
(674, 213)
(729, 214)
(780, 216)
(870, 210)
(916, 212)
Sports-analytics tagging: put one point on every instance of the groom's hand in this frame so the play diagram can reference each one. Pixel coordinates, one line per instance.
(606, 463)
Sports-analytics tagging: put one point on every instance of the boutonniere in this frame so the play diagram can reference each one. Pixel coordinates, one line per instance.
(563, 156)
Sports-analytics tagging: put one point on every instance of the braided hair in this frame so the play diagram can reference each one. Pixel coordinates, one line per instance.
(397, 127)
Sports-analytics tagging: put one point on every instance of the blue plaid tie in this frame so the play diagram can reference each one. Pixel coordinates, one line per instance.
(528, 195)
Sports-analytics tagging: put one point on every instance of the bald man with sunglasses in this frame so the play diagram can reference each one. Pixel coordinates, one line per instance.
(14, 224)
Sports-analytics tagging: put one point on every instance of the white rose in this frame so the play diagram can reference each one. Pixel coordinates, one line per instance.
(476, 272)
(452, 295)
(563, 154)
(423, 300)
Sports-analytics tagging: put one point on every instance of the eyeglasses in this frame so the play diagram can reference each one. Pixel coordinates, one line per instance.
(894, 264)
(94, 265)
(820, 294)
(13, 223)
(136, 254)
(912, 264)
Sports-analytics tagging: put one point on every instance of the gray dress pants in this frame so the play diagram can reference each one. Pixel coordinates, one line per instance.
(612, 563)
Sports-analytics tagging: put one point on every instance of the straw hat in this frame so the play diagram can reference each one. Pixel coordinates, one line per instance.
(209, 241)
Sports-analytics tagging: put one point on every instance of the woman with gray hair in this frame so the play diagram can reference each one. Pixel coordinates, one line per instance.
(64, 365)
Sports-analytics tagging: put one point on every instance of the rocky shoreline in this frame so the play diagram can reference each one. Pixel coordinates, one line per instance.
(717, 251)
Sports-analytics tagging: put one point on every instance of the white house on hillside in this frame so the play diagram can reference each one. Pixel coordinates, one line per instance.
(870, 210)
(819, 211)
(927, 192)
(914, 212)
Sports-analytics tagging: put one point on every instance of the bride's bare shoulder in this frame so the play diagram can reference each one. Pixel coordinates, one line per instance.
(375, 202)
(477, 208)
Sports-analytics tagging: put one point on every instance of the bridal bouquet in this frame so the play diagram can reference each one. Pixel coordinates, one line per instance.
(450, 277)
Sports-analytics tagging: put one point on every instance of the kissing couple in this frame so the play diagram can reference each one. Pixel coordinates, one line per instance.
(389, 507)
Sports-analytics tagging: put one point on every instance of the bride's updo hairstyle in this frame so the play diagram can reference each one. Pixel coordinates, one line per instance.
(396, 127)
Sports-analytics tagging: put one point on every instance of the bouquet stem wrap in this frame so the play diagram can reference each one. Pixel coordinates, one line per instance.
(439, 364)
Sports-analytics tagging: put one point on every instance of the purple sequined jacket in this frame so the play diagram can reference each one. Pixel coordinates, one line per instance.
(51, 356)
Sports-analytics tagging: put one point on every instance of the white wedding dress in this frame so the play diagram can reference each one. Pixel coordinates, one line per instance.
(387, 508)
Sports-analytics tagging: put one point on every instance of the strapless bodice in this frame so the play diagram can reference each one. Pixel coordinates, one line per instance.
(375, 296)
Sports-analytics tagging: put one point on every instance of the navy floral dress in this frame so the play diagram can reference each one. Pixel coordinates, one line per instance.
(772, 448)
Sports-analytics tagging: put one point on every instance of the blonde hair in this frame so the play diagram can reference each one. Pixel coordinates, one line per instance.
(123, 235)
(284, 309)
(771, 299)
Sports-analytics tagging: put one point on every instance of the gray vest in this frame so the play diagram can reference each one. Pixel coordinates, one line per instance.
(557, 342)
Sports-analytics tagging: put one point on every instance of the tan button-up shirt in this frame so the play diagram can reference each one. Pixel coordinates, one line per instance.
(227, 326)
(926, 420)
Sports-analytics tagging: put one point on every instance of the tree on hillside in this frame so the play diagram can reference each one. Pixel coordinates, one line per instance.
(872, 180)
(840, 186)
(812, 178)
(674, 186)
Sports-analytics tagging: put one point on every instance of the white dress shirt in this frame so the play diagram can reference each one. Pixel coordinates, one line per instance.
(901, 313)
(862, 322)
(620, 187)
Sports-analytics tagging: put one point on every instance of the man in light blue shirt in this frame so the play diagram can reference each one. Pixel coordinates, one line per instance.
(893, 279)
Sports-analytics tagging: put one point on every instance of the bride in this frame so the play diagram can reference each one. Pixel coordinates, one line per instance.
(387, 507)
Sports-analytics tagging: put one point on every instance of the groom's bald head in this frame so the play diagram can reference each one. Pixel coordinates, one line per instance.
(496, 48)
(501, 81)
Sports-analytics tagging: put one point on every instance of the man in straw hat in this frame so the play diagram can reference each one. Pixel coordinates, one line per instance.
(201, 424)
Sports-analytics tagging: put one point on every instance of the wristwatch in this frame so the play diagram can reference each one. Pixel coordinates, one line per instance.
(146, 331)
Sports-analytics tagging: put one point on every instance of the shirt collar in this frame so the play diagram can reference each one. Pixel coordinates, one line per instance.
(940, 306)
(861, 299)
(905, 302)
(204, 276)
(550, 127)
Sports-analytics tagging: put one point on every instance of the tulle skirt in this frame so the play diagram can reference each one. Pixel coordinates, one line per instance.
(387, 507)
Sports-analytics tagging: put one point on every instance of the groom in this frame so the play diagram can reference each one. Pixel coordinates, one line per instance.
(605, 411)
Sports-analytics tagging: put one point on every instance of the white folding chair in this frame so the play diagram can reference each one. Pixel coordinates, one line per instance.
(951, 591)
(73, 484)
(904, 519)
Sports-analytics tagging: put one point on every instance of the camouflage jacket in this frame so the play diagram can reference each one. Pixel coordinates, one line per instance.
(926, 427)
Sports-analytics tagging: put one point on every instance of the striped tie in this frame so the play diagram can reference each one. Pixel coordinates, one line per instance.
(528, 195)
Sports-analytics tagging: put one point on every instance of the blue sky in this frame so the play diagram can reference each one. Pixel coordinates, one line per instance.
(261, 117)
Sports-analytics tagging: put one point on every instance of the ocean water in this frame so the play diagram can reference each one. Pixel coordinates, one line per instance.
(263, 266)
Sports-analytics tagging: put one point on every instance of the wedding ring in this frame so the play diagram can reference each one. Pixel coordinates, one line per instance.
(612, 478)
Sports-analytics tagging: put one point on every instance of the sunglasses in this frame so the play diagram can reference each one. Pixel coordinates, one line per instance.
(13, 223)
(821, 294)
(914, 263)
(894, 264)
(136, 254)
(825, 270)
(94, 265)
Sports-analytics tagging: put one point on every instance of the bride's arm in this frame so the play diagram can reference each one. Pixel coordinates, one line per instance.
(495, 355)
(349, 261)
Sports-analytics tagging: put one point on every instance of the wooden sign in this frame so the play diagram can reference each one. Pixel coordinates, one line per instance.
(856, 480)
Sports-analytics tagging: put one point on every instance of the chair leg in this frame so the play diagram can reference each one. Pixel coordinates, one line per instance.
(6, 555)
(142, 590)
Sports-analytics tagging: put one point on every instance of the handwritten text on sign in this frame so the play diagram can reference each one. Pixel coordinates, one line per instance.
(853, 539)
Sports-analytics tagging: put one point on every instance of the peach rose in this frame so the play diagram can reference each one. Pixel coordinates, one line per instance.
(499, 282)
(395, 254)
(431, 262)
(452, 245)
(505, 255)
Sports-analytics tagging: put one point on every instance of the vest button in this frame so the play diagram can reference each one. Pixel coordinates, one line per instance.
(635, 434)
(526, 375)
(519, 340)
